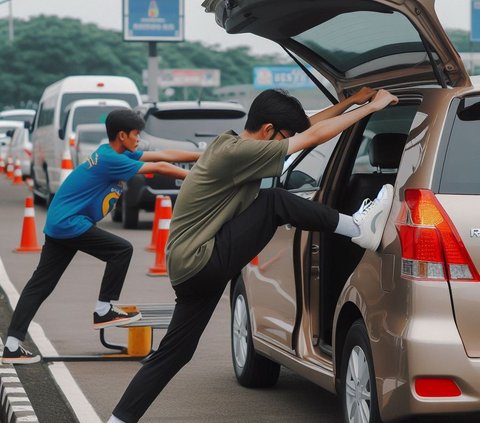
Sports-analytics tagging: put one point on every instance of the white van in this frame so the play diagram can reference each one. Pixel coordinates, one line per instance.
(89, 111)
(49, 124)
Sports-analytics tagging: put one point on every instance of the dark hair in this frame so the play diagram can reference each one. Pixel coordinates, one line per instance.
(123, 120)
(280, 109)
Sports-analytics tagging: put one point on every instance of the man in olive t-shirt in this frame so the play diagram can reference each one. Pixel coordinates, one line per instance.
(222, 220)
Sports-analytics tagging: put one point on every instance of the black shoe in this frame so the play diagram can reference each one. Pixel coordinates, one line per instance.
(19, 356)
(114, 317)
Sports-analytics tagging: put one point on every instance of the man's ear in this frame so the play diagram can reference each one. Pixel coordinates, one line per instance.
(267, 130)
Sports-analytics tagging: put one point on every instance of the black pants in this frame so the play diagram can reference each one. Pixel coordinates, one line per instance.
(56, 256)
(236, 244)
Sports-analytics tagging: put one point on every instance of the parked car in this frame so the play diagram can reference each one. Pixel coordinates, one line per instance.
(87, 111)
(88, 137)
(22, 115)
(179, 125)
(48, 147)
(393, 332)
(6, 130)
(20, 147)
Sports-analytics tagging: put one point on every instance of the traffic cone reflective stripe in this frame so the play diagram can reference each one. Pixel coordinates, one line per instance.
(160, 267)
(10, 168)
(67, 165)
(17, 173)
(156, 217)
(2, 163)
(28, 242)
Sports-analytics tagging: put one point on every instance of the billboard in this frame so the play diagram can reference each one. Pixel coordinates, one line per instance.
(186, 78)
(475, 22)
(153, 20)
(288, 77)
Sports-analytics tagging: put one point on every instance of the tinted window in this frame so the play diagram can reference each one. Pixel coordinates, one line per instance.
(131, 99)
(91, 114)
(91, 137)
(352, 39)
(307, 174)
(20, 118)
(460, 171)
(199, 126)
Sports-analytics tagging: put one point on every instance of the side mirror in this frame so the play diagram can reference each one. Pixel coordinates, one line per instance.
(10, 133)
(61, 134)
(27, 125)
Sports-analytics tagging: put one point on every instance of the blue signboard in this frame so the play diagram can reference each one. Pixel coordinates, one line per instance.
(153, 20)
(475, 32)
(289, 77)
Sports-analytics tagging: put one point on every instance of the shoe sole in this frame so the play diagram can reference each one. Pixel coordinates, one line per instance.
(32, 360)
(118, 322)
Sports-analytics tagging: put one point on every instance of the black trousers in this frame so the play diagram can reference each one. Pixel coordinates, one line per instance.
(238, 241)
(56, 255)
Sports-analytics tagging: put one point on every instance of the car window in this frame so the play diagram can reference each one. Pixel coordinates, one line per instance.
(91, 137)
(396, 119)
(306, 175)
(194, 125)
(91, 114)
(463, 151)
(68, 98)
(370, 37)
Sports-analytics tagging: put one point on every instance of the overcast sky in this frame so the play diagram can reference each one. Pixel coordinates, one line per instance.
(199, 26)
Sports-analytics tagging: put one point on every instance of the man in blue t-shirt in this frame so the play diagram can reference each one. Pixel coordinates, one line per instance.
(85, 197)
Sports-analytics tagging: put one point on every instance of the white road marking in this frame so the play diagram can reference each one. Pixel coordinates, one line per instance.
(62, 376)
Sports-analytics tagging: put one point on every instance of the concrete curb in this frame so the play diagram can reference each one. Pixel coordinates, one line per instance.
(15, 405)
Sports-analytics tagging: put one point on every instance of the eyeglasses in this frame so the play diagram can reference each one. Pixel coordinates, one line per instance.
(278, 131)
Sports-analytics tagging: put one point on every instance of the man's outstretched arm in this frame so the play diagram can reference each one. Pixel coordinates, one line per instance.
(164, 168)
(170, 156)
(325, 130)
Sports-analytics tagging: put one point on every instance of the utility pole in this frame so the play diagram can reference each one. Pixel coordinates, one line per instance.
(10, 19)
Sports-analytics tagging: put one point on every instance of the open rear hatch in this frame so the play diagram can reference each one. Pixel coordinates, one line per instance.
(379, 43)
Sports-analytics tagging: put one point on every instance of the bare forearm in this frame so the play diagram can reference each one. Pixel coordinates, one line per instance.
(164, 168)
(332, 111)
(170, 156)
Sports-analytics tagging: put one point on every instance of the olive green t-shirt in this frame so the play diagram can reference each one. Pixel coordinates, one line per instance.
(224, 182)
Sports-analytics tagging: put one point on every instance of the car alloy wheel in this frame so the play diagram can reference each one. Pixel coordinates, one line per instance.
(358, 387)
(240, 331)
(357, 377)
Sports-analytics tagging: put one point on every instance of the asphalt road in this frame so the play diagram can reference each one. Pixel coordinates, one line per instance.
(204, 391)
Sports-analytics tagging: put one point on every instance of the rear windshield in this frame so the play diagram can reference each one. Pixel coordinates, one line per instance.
(91, 137)
(194, 125)
(461, 173)
(91, 114)
(20, 118)
(68, 98)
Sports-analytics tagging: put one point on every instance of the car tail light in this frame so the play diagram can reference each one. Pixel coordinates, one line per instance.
(100, 84)
(436, 387)
(431, 246)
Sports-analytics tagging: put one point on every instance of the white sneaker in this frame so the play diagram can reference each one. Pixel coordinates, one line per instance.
(371, 218)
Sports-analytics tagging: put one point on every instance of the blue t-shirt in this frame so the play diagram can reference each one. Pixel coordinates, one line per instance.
(90, 192)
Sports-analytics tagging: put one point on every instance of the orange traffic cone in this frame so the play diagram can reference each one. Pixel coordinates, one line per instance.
(156, 217)
(28, 243)
(9, 168)
(2, 163)
(67, 165)
(160, 267)
(17, 173)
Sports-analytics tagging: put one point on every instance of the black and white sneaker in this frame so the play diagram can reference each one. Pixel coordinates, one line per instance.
(372, 217)
(19, 356)
(115, 317)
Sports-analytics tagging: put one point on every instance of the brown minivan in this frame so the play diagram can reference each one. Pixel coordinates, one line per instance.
(394, 332)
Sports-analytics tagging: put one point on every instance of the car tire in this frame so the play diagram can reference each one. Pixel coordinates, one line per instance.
(129, 215)
(37, 199)
(252, 370)
(357, 378)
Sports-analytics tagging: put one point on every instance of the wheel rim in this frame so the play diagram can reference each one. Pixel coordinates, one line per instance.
(358, 387)
(240, 332)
